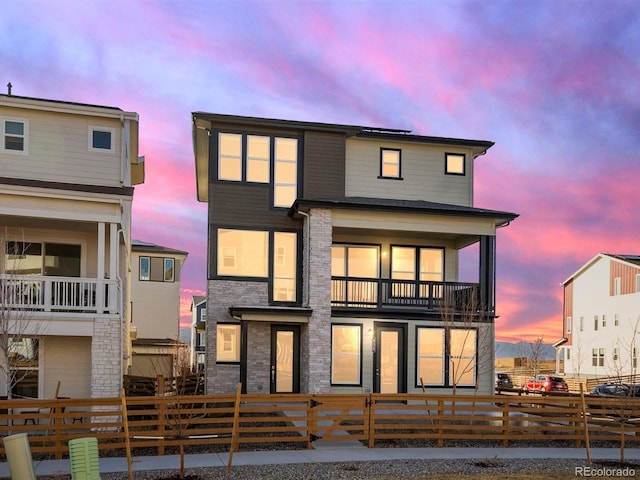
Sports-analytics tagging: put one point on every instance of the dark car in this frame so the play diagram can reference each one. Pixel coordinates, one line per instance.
(503, 382)
(545, 384)
(611, 390)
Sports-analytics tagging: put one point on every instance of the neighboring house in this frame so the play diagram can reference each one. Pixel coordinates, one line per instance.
(67, 172)
(602, 318)
(335, 258)
(155, 309)
(198, 332)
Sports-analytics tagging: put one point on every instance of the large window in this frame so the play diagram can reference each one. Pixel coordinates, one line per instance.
(454, 163)
(15, 135)
(430, 356)
(101, 139)
(228, 342)
(597, 357)
(157, 269)
(24, 365)
(243, 253)
(416, 264)
(390, 166)
(285, 187)
(258, 158)
(356, 264)
(59, 259)
(446, 357)
(346, 353)
(284, 266)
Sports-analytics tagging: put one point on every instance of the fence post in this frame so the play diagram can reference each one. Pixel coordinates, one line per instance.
(162, 412)
(57, 429)
(440, 422)
(311, 423)
(370, 418)
(505, 424)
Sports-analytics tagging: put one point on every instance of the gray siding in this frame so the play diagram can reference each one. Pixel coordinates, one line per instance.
(324, 157)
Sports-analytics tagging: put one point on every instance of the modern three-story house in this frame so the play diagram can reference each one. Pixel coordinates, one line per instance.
(67, 172)
(336, 256)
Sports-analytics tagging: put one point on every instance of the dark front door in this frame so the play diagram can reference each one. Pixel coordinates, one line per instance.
(389, 358)
(285, 359)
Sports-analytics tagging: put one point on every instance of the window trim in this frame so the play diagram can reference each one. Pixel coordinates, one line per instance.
(238, 328)
(381, 174)
(25, 135)
(359, 326)
(447, 168)
(97, 128)
(149, 277)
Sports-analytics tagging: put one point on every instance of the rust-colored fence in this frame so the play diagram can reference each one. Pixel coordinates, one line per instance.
(158, 425)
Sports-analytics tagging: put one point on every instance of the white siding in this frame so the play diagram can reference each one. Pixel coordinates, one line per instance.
(423, 176)
(59, 150)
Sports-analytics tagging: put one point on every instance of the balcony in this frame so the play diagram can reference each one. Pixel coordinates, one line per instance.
(36, 293)
(381, 294)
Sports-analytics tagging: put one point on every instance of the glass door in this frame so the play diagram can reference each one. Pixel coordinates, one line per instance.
(390, 358)
(285, 359)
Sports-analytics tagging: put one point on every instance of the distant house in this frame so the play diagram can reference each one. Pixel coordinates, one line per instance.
(335, 257)
(155, 307)
(602, 317)
(67, 172)
(198, 332)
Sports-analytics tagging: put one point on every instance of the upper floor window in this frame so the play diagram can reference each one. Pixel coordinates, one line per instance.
(616, 285)
(230, 156)
(390, 163)
(638, 283)
(101, 139)
(243, 253)
(454, 163)
(35, 258)
(157, 269)
(15, 135)
(284, 266)
(568, 327)
(285, 172)
(258, 158)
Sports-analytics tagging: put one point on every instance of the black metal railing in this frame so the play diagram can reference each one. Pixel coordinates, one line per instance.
(352, 292)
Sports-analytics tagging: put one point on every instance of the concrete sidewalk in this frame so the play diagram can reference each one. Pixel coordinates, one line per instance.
(329, 452)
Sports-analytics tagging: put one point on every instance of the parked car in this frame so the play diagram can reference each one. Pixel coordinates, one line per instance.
(546, 383)
(503, 382)
(611, 390)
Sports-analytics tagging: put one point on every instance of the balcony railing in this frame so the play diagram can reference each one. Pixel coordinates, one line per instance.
(376, 293)
(58, 294)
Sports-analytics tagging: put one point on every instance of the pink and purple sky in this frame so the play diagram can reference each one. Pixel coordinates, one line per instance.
(556, 84)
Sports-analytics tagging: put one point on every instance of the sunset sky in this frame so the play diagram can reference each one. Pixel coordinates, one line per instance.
(555, 84)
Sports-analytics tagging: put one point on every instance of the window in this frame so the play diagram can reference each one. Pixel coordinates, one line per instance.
(638, 283)
(230, 156)
(615, 354)
(243, 253)
(59, 259)
(462, 371)
(258, 158)
(568, 353)
(24, 365)
(604, 321)
(581, 323)
(616, 286)
(101, 139)
(390, 163)
(595, 322)
(454, 164)
(568, 327)
(430, 356)
(346, 353)
(157, 269)
(15, 135)
(285, 171)
(616, 322)
(228, 342)
(284, 267)
(406, 261)
(597, 357)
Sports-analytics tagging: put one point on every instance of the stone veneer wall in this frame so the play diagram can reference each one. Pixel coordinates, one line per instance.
(221, 295)
(106, 357)
(315, 345)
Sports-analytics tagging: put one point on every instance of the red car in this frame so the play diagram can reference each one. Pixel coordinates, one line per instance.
(546, 383)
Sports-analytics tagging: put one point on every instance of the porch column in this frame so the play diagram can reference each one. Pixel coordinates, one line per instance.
(487, 275)
(113, 267)
(100, 268)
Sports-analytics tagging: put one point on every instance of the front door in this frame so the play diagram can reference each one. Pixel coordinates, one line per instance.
(285, 359)
(390, 358)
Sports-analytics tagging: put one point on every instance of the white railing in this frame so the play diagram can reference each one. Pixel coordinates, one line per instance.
(58, 294)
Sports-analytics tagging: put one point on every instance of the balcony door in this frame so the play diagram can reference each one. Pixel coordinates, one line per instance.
(390, 358)
(35, 258)
(351, 268)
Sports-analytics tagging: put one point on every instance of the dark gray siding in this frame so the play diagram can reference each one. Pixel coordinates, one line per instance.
(324, 160)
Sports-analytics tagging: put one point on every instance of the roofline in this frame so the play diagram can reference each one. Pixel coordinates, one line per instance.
(348, 130)
(469, 212)
(146, 247)
(593, 260)
(72, 187)
(62, 106)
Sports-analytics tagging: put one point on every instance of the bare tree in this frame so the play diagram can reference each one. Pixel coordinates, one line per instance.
(19, 330)
(531, 352)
